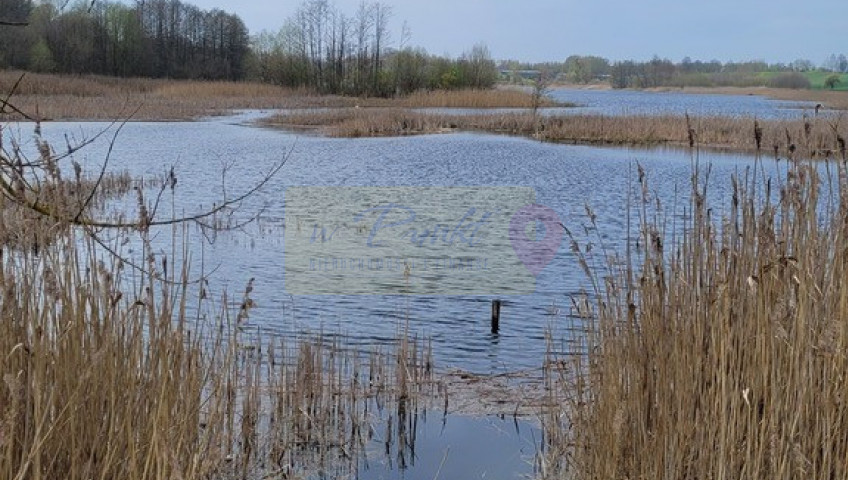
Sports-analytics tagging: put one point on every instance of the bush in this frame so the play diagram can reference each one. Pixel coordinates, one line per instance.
(790, 80)
(832, 81)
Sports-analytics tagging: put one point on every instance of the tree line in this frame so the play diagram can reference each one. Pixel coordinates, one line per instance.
(353, 53)
(659, 72)
(319, 47)
(688, 73)
(152, 38)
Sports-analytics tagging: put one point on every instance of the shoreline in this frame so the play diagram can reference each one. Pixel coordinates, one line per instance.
(41, 97)
(815, 138)
(830, 99)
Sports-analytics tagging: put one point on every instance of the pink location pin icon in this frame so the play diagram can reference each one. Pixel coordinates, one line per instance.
(535, 254)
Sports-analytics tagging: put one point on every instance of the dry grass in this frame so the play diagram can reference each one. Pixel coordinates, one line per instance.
(721, 353)
(74, 85)
(813, 137)
(55, 97)
(91, 97)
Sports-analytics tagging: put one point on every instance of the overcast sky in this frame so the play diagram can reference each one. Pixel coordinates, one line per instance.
(536, 30)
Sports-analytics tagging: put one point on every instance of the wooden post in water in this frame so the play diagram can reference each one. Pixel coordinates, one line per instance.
(496, 316)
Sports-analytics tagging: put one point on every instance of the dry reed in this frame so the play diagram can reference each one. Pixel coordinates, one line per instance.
(111, 368)
(496, 98)
(92, 97)
(716, 350)
(815, 137)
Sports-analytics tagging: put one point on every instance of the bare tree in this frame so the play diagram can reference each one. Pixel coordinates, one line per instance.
(540, 90)
(364, 22)
(382, 13)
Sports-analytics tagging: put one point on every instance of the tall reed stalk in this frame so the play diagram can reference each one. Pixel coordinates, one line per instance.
(718, 351)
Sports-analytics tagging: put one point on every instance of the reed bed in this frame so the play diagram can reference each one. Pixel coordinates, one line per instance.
(814, 136)
(135, 107)
(34, 191)
(112, 368)
(495, 98)
(717, 350)
(21, 227)
(365, 122)
(92, 97)
(75, 85)
(329, 406)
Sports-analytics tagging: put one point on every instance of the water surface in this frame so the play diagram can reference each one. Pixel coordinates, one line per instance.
(638, 102)
(222, 157)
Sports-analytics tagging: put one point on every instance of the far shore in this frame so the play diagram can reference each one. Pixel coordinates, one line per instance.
(89, 98)
(829, 99)
(94, 98)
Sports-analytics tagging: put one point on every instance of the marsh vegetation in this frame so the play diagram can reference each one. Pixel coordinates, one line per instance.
(715, 348)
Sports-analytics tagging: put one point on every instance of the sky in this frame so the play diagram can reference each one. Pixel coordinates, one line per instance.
(540, 30)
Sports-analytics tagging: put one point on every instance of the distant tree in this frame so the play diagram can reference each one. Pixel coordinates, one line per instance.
(41, 58)
(540, 90)
(15, 43)
(410, 70)
(479, 69)
(755, 66)
(832, 81)
(836, 63)
(625, 74)
(381, 13)
(584, 69)
(658, 72)
(793, 80)
(802, 65)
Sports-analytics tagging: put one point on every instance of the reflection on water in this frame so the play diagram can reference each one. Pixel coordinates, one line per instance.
(451, 448)
(565, 178)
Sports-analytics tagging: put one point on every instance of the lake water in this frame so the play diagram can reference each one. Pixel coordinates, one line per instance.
(636, 102)
(565, 178)
(459, 447)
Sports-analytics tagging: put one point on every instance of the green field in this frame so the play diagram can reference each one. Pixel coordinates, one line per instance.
(816, 78)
